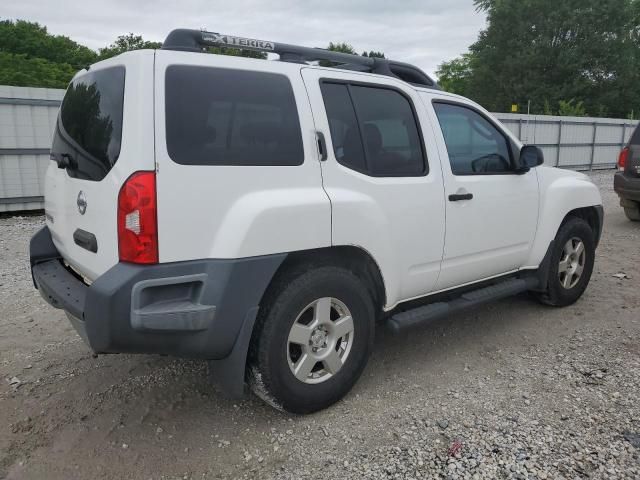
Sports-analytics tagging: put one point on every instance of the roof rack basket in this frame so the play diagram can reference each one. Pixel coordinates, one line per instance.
(197, 41)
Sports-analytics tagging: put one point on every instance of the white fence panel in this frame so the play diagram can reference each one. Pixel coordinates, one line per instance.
(580, 143)
(27, 120)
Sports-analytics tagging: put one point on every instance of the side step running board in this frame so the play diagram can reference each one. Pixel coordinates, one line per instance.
(434, 311)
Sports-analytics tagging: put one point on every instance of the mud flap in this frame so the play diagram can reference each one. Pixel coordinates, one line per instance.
(228, 374)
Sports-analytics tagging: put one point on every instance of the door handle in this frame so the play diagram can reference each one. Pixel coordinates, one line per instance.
(322, 146)
(457, 197)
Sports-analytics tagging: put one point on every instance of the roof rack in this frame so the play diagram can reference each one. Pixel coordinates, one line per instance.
(197, 41)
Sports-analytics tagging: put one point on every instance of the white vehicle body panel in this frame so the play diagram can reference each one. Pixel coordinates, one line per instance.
(561, 191)
(398, 220)
(238, 211)
(136, 153)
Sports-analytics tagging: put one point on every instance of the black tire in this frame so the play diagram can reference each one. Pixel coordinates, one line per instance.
(633, 213)
(269, 373)
(556, 294)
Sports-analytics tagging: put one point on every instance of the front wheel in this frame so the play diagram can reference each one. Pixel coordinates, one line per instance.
(312, 340)
(572, 263)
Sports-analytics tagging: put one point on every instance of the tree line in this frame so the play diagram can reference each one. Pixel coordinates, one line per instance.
(569, 57)
(32, 57)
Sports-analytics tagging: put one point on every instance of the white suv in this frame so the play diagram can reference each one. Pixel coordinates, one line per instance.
(267, 216)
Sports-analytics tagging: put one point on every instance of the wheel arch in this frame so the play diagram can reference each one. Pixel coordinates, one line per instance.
(229, 373)
(563, 194)
(354, 258)
(593, 215)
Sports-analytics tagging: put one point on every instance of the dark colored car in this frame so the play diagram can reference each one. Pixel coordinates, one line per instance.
(626, 182)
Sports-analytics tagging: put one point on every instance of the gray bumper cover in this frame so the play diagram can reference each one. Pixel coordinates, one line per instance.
(197, 309)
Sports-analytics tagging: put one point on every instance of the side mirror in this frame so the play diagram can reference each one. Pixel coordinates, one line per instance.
(531, 157)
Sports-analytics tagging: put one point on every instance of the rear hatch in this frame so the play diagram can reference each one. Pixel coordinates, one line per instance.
(632, 166)
(103, 134)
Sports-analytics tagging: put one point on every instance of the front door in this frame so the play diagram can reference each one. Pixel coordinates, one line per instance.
(492, 212)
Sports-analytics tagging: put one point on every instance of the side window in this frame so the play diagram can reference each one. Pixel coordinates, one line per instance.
(474, 145)
(219, 116)
(345, 133)
(373, 130)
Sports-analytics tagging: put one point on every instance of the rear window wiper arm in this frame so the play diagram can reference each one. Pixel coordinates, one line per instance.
(64, 160)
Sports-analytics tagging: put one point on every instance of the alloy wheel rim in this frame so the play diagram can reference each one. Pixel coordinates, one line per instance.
(572, 262)
(320, 340)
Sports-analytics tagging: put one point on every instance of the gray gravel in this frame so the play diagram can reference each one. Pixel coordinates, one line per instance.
(511, 390)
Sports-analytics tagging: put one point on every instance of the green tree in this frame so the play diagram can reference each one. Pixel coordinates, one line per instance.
(126, 43)
(537, 50)
(31, 57)
(373, 54)
(454, 76)
(22, 71)
(33, 41)
(343, 47)
(569, 108)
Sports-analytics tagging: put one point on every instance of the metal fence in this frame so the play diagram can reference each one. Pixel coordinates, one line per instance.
(28, 115)
(27, 120)
(579, 143)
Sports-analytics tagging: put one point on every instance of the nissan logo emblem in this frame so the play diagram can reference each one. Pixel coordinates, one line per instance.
(82, 202)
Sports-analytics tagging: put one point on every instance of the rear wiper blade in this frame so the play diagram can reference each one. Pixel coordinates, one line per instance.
(64, 160)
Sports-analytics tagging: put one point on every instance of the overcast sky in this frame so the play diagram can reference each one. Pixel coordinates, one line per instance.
(422, 32)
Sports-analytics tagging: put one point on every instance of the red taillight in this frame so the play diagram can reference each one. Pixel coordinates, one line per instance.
(622, 159)
(137, 219)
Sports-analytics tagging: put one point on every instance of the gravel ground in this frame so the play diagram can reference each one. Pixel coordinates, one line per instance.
(511, 390)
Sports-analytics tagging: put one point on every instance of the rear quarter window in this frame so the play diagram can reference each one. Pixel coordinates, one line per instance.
(217, 116)
(89, 127)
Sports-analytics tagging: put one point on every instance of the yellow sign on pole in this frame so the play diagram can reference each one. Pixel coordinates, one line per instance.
(514, 108)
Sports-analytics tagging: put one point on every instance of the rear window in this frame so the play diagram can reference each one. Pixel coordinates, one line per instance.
(89, 127)
(218, 116)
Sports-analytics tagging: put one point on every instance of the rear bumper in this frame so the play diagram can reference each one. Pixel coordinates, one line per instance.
(627, 187)
(194, 309)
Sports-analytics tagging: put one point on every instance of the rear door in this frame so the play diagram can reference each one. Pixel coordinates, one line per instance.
(382, 174)
(103, 134)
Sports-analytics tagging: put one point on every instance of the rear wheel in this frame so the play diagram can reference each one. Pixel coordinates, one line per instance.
(312, 340)
(633, 213)
(572, 263)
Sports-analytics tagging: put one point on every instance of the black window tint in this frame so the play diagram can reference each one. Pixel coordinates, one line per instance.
(218, 116)
(474, 145)
(89, 128)
(345, 134)
(389, 131)
(635, 137)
